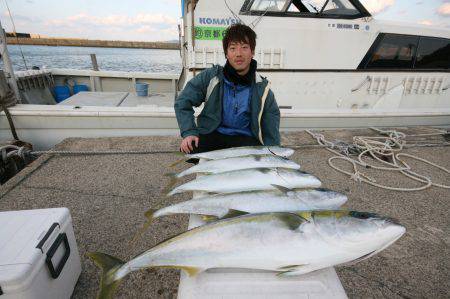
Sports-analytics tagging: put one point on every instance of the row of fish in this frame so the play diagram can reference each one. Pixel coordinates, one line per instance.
(262, 212)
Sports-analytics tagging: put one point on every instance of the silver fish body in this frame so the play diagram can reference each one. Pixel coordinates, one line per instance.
(250, 180)
(238, 163)
(257, 202)
(243, 151)
(290, 243)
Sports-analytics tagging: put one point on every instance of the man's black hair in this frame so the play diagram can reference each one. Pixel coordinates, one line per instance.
(239, 33)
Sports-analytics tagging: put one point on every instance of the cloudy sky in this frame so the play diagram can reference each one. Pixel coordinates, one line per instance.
(157, 19)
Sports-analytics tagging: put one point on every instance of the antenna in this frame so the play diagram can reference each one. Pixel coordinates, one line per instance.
(233, 13)
(15, 33)
(256, 21)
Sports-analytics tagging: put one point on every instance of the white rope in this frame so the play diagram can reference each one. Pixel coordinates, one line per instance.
(389, 147)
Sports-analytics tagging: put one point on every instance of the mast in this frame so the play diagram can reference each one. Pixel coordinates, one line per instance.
(9, 71)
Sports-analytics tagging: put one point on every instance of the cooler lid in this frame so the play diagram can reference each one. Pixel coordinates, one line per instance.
(25, 238)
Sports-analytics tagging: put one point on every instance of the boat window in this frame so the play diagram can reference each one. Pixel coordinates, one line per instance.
(269, 5)
(433, 53)
(393, 51)
(306, 8)
(339, 7)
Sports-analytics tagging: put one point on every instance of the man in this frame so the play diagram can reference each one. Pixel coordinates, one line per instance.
(240, 109)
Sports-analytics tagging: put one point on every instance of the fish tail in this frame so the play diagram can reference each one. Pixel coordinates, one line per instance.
(174, 191)
(178, 162)
(172, 181)
(149, 215)
(109, 265)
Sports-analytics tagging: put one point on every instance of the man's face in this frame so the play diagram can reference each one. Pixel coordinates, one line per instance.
(240, 55)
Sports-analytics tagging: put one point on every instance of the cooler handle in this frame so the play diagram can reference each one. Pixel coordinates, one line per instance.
(47, 235)
(55, 272)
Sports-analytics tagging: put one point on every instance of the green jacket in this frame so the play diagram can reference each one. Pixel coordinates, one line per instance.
(207, 87)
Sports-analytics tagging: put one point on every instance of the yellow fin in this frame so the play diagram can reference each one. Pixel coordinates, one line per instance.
(209, 218)
(281, 188)
(290, 270)
(191, 271)
(177, 162)
(233, 213)
(109, 265)
(139, 233)
(172, 181)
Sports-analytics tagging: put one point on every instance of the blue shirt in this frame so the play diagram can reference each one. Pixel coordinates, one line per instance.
(235, 110)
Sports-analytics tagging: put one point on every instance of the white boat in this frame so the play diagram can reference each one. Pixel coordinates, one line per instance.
(330, 64)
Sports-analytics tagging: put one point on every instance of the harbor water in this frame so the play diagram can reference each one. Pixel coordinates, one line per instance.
(109, 59)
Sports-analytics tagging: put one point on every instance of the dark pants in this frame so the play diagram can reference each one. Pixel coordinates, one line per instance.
(215, 141)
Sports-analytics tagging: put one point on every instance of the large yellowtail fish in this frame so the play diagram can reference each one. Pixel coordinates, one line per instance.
(240, 163)
(244, 151)
(288, 243)
(282, 200)
(250, 180)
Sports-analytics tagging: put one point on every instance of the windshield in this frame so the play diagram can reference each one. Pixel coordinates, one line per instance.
(269, 5)
(318, 7)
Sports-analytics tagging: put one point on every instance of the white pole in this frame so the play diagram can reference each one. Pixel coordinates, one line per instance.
(9, 71)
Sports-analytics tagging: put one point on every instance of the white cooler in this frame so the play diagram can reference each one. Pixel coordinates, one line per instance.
(38, 254)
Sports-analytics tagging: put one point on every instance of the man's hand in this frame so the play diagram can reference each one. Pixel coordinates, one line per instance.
(186, 145)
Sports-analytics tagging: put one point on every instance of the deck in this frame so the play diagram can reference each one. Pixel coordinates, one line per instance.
(107, 195)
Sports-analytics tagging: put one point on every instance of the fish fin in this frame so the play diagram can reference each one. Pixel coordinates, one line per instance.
(292, 221)
(257, 158)
(281, 188)
(174, 191)
(366, 256)
(292, 270)
(191, 271)
(233, 213)
(149, 216)
(177, 162)
(172, 181)
(209, 218)
(109, 266)
(204, 173)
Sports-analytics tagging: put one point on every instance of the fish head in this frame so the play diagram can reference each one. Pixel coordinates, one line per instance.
(368, 232)
(281, 151)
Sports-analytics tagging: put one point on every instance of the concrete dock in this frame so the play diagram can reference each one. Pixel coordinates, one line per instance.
(108, 194)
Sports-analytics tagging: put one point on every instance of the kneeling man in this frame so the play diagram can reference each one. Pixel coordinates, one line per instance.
(239, 107)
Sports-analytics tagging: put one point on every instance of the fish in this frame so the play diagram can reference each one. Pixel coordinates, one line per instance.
(281, 200)
(238, 163)
(250, 180)
(219, 206)
(243, 151)
(287, 243)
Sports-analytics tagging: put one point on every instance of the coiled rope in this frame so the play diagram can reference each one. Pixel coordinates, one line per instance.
(386, 150)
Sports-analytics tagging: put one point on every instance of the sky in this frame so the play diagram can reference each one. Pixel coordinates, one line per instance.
(139, 20)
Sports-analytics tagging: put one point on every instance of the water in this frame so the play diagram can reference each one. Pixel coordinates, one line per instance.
(109, 59)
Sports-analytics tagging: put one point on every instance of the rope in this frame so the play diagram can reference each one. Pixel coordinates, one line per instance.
(24, 152)
(10, 121)
(53, 152)
(383, 150)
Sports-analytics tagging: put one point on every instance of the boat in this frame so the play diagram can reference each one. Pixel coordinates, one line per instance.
(331, 65)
